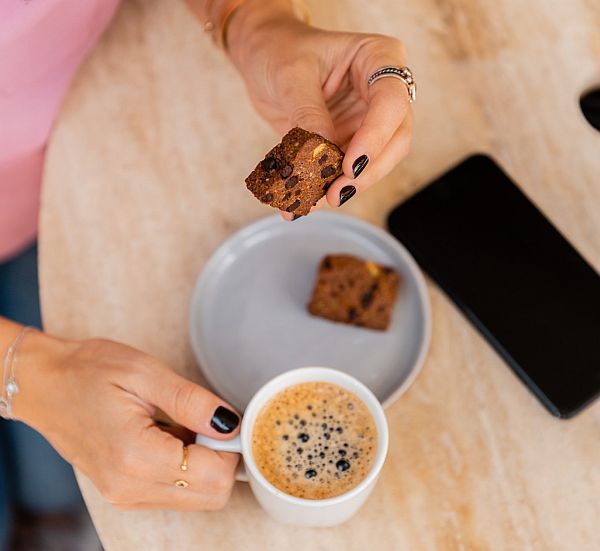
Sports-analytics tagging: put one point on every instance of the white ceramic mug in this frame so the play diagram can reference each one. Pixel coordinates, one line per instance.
(284, 507)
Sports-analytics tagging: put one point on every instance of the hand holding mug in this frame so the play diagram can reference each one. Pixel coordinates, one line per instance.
(99, 415)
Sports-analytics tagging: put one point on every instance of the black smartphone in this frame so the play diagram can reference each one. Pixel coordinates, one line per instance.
(514, 276)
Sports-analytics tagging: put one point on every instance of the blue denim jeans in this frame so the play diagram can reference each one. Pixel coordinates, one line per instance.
(32, 475)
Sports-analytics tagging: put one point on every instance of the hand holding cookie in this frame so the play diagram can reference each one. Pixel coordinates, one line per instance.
(297, 75)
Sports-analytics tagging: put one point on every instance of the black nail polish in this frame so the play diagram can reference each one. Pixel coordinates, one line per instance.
(346, 194)
(296, 216)
(359, 165)
(224, 420)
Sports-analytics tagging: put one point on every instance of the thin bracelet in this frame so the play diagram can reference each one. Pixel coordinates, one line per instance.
(301, 11)
(9, 382)
(209, 26)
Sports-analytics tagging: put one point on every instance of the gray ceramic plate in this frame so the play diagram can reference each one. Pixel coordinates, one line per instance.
(248, 318)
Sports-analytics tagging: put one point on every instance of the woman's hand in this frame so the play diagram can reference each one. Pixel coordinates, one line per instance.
(297, 75)
(95, 401)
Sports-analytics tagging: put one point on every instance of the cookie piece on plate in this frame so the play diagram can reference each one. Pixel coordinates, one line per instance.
(354, 291)
(297, 172)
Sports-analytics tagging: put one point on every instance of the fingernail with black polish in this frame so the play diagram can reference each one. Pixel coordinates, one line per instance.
(296, 216)
(359, 165)
(224, 420)
(346, 194)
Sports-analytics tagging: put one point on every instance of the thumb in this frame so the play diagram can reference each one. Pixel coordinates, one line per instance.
(189, 404)
(306, 108)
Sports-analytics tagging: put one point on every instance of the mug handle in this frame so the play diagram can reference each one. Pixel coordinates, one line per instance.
(232, 446)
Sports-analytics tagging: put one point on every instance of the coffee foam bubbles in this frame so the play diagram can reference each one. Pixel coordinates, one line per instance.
(314, 440)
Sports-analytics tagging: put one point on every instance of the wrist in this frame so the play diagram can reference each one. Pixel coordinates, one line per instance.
(253, 22)
(38, 360)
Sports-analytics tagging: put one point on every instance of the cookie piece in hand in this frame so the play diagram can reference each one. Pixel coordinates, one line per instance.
(297, 172)
(355, 291)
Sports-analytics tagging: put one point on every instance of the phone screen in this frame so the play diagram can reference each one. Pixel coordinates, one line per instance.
(526, 289)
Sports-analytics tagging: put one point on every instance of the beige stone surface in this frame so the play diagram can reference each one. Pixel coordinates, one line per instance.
(144, 179)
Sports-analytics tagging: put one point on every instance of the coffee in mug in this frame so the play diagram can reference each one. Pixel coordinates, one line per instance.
(314, 440)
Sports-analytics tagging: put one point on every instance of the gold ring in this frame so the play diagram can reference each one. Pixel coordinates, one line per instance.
(184, 461)
(180, 482)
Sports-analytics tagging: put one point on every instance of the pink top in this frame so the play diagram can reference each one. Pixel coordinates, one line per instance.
(41, 44)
